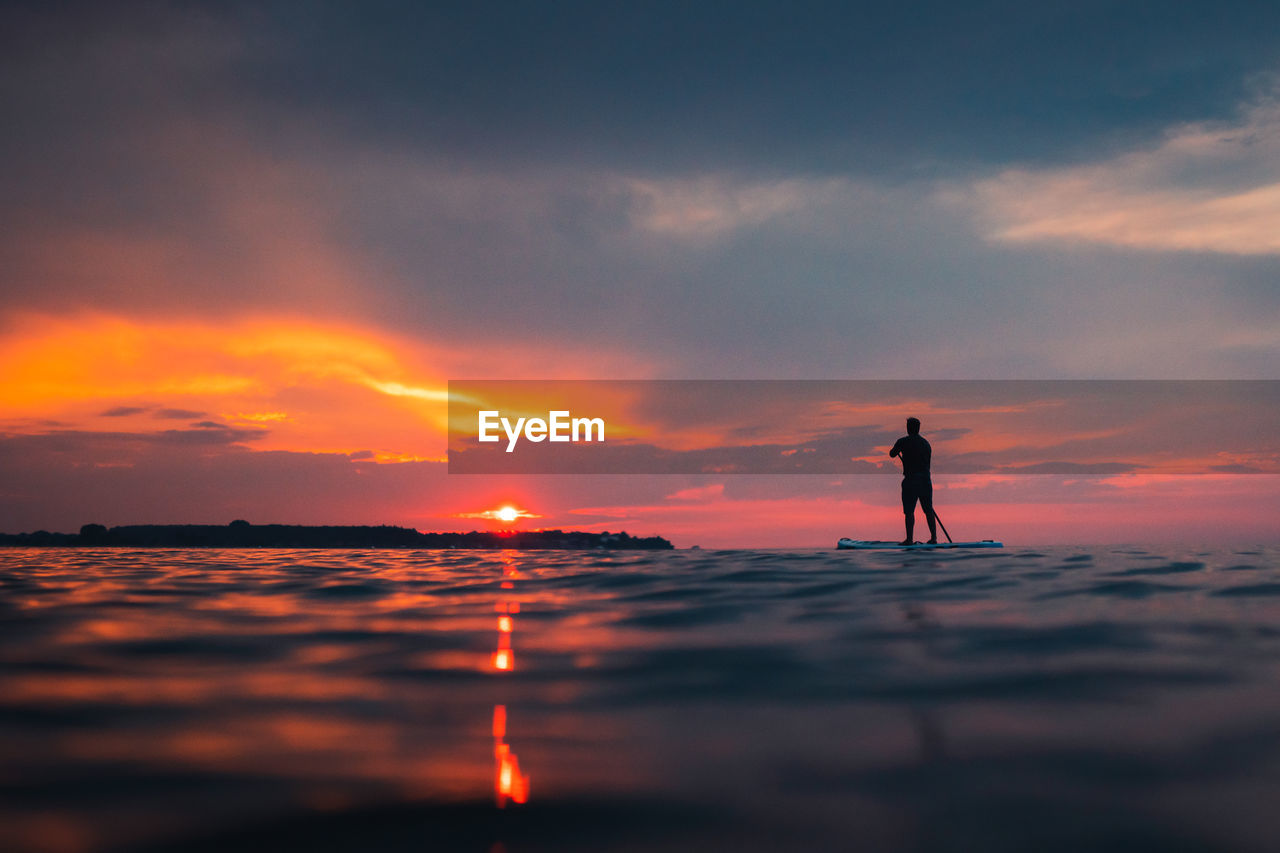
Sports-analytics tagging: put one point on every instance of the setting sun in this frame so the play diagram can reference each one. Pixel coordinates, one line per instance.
(506, 514)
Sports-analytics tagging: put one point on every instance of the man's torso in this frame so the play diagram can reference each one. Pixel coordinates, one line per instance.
(916, 455)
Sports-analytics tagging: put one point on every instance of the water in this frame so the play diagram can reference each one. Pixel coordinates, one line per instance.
(1058, 699)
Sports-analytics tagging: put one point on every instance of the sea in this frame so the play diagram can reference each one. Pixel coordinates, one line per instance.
(1024, 699)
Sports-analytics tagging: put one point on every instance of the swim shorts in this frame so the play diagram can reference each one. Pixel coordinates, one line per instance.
(917, 487)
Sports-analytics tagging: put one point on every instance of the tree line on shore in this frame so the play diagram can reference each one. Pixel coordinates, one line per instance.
(242, 534)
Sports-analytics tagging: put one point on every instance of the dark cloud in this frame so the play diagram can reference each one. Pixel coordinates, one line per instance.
(93, 447)
(207, 433)
(815, 85)
(799, 86)
(158, 414)
(460, 173)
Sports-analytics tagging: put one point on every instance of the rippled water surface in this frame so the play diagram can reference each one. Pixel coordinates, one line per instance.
(1060, 699)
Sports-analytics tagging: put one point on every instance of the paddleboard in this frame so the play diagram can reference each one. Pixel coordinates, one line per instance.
(873, 545)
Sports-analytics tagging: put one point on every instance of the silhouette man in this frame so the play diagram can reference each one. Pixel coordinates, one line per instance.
(916, 484)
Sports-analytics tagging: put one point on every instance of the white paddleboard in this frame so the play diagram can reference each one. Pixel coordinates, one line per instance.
(873, 545)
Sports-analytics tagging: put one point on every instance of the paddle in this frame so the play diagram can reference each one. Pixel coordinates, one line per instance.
(943, 526)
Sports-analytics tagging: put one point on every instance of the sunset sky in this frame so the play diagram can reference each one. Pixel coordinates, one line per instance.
(245, 247)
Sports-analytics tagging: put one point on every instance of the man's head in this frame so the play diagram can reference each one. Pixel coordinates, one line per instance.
(913, 426)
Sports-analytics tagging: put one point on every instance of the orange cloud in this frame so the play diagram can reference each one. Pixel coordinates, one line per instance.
(311, 386)
(295, 384)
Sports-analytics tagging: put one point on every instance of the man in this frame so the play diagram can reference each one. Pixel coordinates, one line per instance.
(916, 485)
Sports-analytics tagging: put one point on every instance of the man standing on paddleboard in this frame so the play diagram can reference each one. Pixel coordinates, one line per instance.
(916, 484)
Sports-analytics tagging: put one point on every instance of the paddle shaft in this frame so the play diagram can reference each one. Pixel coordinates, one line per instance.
(943, 526)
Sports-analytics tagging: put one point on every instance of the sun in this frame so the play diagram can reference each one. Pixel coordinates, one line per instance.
(504, 514)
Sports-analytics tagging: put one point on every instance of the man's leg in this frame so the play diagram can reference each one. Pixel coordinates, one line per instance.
(908, 512)
(926, 504)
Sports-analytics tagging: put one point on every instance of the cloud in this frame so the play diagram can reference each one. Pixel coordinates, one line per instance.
(708, 206)
(319, 386)
(698, 494)
(1205, 188)
(155, 187)
(96, 448)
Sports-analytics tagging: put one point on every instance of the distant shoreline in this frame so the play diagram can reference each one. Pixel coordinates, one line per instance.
(242, 534)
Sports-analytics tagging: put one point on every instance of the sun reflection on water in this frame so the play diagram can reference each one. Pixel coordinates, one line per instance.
(509, 784)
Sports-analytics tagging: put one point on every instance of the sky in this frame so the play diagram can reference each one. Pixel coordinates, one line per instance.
(245, 247)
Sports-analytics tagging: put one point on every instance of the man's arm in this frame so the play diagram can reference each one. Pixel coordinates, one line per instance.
(896, 449)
